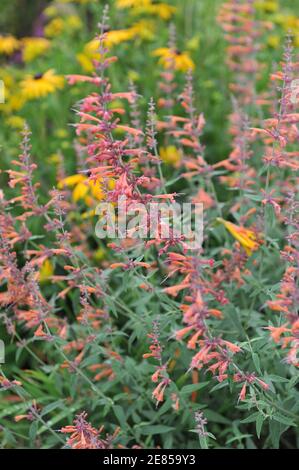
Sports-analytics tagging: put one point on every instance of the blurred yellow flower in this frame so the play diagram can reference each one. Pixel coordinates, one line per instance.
(84, 188)
(173, 58)
(247, 238)
(132, 3)
(100, 254)
(54, 158)
(13, 102)
(86, 58)
(273, 41)
(193, 43)
(50, 11)
(82, 2)
(34, 47)
(54, 27)
(162, 10)
(61, 133)
(40, 85)
(133, 76)
(16, 122)
(9, 44)
(170, 154)
(73, 23)
(288, 22)
(267, 6)
(46, 271)
(291, 23)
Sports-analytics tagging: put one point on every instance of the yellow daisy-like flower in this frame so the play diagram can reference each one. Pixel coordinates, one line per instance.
(51, 11)
(46, 271)
(247, 238)
(164, 11)
(9, 44)
(173, 58)
(13, 102)
(143, 29)
(82, 2)
(34, 47)
(16, 122)
(132, 3)
(170, 154)
(273, 41)
(40, 85)
(267, 6)
(73, 23)
(193, 43)
(84, 188)
(54, 28)
(90, 53)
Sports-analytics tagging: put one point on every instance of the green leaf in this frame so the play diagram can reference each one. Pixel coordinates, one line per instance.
(259, 424)
(188, 389)
(155, 429)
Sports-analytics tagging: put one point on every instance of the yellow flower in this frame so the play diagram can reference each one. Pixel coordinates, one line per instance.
(16, 122)
(82, 2)
(273, 41)
(54, 158)
(84, 188)
(143, 29)
(247, 238)
(133, 76)
(38, 86)
(90, 53)
(46, 271)
(61, 133)
(193, 43)
(171, 58)
(73, 23)
(267, 6)
(100, 254)
(9, 44)
(162, 10)
(50, 11)
(13, 102)
(170, 154)
(132, 3)
(34, 47)
(291, 23)
(54, 27)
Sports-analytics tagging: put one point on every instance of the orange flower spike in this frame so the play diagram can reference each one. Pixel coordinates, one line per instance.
(192, 342)
(179, 334)
(276, 332)
(232, 347)
(40, 332)
(242, 394)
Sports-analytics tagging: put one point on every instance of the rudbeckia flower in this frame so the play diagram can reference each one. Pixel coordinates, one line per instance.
(46, 271)
(170, 154)
(40, 85)
(54, 28)
(34, 47)
(247, 238)
(132, 3)
(267, 6)
(9, 44)
(16, 122)
(84, 188)
(162, 10)
(173, 58)
(90, 53)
